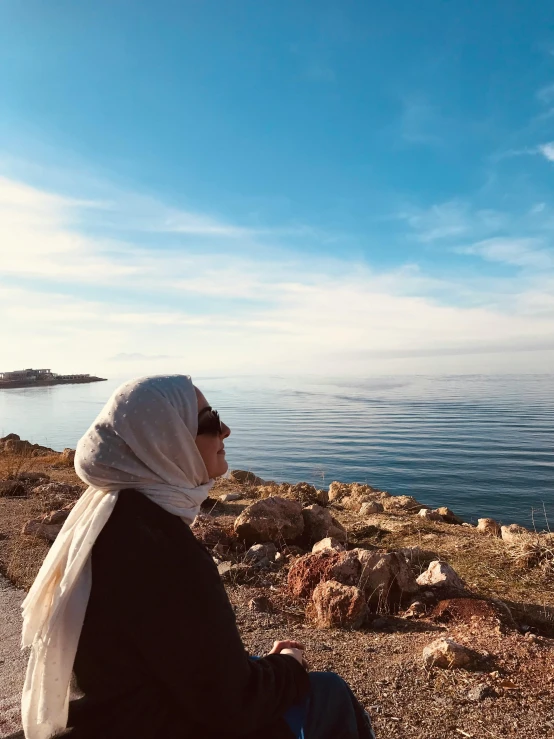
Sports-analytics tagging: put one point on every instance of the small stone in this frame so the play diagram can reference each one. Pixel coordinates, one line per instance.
(430, 515)
(417, 609)
(441, 575)
(260, 552)
(370, 507)
(446, 653)
(338, 605)
(68, 456)
(448, 516)
(489, 526)
(236, 574)
(41, 530)
(229, 497)
(328, 543)
(513, 533)
(260, 604)
(480, 692)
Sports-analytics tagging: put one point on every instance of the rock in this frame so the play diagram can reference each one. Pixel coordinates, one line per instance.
(319, 524)
(307, 572)
(261, 554)
(446, 653)
(260, 604)
(337, 491)
(386, 577)
(513, 533)
(480, 692)
(338, 605)
(271, 519)
(57, 517)
(16, 446)
(68, 456)
(229, 497)
(357, 492)
(57, 489)
(448, 516)
(236, 574)
(12, 489)
(208, 504)
(207, 530)
(246, 478)
(440, 575)
(370, 507)
(402, 503)
(417, 609)
(10, 437)
(41, 530)
(489, 526)
(327, 543)
(430, 515)
(306, 494)
(32, 477)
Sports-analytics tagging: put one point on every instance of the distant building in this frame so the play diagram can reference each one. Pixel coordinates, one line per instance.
(37, 375)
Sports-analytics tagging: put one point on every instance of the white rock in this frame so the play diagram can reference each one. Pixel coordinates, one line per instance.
(446, 653)
(328, 543)
(229, 497)
(371, 506)
(489, 526)
(261, 552)
(429, 515)
(513, 533)
(440, 575)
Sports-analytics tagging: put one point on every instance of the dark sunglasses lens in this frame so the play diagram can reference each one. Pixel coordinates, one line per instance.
(210, 423)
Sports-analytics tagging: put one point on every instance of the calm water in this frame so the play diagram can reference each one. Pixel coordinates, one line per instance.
(482, 445)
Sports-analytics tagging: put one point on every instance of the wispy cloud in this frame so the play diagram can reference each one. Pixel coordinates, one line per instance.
(547, 150)
(518, 252)
(546, 94)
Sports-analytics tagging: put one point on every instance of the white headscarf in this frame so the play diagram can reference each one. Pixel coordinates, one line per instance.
(145, 439)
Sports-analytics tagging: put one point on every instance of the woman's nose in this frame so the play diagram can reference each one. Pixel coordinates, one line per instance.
(226, 431)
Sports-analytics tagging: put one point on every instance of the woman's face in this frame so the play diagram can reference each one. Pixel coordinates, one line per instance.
(210, 443)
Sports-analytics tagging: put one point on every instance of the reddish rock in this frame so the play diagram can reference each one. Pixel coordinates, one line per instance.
(307, 572)
(338, 605)
(272, 519)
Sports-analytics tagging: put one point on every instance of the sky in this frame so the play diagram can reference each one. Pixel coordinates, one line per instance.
(353, 187)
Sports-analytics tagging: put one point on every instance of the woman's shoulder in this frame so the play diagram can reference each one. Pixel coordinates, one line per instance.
(137, 525)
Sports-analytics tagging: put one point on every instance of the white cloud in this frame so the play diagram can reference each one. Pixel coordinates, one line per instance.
(283, 313)
(547, 150)
(522, 252)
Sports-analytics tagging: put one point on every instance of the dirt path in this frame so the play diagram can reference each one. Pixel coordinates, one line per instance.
(12, 660)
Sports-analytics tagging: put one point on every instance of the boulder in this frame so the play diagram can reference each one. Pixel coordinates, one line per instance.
(246, 478)
(448, 516)
(261, 554)
(338, 605)
(402, 503)
(513, 533)
(12, 489)
(32, 477)
(68, 456)
(430, 515)
(10, 437)
(41, 530)
(211, 533)
(16, 446)
(327, 543)
(271, 519)
(489, 526)
(57, 489)
(446, 653)
(307, 572)
(370, 507)
(386, 577)
(318, 524)
(440, 575)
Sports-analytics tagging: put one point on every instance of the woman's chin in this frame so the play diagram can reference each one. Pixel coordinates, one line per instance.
(221, 467)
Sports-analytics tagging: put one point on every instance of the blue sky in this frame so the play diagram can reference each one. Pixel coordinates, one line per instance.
(319, 187)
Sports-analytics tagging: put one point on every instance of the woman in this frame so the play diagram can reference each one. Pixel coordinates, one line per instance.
(131, 602)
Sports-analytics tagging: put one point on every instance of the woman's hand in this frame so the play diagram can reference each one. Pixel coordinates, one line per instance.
(293, 648)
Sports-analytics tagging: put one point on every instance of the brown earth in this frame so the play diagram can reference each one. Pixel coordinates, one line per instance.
(508, 619)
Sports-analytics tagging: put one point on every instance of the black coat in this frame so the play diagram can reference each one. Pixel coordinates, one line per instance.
(160, 656)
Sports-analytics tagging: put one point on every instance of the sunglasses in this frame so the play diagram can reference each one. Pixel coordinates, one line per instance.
(209, 422)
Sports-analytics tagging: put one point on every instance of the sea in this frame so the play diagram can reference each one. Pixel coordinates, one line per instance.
(481, 445)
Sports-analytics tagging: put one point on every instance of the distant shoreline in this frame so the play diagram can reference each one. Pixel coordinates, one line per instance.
(13, 384)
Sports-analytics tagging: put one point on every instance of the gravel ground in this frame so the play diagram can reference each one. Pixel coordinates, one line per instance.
(12, 660)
